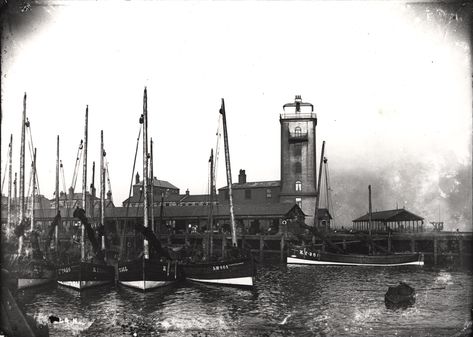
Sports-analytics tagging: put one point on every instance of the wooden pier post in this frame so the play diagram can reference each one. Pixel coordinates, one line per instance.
(344, 244)
(413, 245)
(282, 248)
(460, 251)
(186, 237)
(435, 251)
(261, 247)
(389, 244)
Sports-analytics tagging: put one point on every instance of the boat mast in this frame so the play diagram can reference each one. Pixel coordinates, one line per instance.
(33, 174)
(102, 188)
(22, 174)
(211, 215)
(229, 173)
(152, 187)
(15, 197)
(84, 186)
(56, 229)
(10, 147)
(145, 170)
(92, 192)
(317, 196)
(22, 163)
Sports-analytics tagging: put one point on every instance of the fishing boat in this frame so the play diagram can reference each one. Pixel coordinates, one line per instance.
(237, 267)
(27, 268)
(152, 268)
(400, 296)
(89, 271)
(310, 255)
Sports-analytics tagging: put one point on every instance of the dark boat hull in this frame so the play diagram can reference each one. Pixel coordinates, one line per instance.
(236, 272)
(85, 275)
(146, 274)
(35, 273)
(306, 255)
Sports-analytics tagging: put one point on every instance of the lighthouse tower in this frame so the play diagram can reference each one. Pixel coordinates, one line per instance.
(298, 156)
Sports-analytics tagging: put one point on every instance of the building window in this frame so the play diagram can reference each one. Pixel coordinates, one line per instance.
(298, 149)
(298, 186)
(299, 202)
(247, 194)
(268, 193)
(298, 167)
(298, 131)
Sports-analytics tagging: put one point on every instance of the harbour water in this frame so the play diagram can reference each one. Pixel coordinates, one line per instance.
(287, 301)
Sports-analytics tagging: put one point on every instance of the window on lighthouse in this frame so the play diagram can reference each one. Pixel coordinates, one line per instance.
(298, 186)
(298, 131)
(298, 167)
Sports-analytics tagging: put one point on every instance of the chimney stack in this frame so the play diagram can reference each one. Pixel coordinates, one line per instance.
(137, 178)
(242, 177)
(187, 192)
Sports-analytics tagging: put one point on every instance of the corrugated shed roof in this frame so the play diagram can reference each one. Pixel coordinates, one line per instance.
(390, 215)
(254, 184)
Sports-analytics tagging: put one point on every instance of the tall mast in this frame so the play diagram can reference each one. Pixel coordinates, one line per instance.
(102, 187)
(92, 191)
(211, 216)
(317, 197)
(33, 174)
(145, 170)
(22, 162)
(369, 205)
(84, 186)
(10, 147)
(152, 187)
(56, 229)
(229, 173)
(15, 196)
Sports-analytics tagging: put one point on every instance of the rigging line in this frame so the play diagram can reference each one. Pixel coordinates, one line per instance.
(219, 135)
(31, 149)
(108, 180)
(6, 165)
(331, 210)
(133, 171)
(63, 178)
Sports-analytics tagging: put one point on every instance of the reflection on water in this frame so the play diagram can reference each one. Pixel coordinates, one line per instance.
(287, 301)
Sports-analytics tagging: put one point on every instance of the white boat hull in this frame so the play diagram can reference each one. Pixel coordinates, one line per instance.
(145, 285)
(79, 285)
(237, 281)
(295, 260)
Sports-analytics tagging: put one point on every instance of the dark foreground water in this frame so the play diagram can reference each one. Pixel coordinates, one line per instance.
(287, 301)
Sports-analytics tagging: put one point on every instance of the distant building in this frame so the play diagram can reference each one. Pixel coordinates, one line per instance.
(395, 220)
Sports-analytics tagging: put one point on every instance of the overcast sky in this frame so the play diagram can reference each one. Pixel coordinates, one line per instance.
(390, 82)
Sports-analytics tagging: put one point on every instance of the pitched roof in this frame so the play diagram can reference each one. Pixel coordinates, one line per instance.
(222, 211)
(195, 198)
(390, 215)
(254, 184)
(323, 213)
(161, 183)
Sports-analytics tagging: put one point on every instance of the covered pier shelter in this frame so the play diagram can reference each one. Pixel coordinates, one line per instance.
(396, 220)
